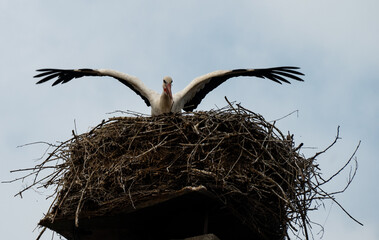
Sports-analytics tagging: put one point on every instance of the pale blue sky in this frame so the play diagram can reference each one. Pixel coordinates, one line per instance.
(334, 43)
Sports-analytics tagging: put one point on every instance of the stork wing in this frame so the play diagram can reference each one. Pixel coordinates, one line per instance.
(63, 76)
(190, 97)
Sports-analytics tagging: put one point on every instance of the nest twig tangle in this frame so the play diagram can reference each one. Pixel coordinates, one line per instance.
(234, 154)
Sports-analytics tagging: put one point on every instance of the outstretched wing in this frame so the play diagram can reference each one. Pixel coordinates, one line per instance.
(190, 97)
(65, 75)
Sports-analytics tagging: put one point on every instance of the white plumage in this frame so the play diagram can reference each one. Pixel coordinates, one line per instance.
(187, 99)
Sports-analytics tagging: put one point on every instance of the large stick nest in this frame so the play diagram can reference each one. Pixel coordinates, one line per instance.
(235, 154)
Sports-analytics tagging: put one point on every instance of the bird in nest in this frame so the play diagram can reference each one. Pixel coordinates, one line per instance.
(187, 99)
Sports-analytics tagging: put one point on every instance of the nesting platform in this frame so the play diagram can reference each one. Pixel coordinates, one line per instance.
(227, 172)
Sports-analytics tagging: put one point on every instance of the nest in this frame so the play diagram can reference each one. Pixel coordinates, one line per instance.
(243, 160)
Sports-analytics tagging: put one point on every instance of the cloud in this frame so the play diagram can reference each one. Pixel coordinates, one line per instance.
(335, 43)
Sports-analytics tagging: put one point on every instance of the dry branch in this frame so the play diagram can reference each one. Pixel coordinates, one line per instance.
(237, 155)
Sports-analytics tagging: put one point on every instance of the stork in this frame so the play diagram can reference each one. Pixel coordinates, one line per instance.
(187, 99)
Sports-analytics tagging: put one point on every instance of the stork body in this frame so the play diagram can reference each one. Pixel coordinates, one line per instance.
(187, 99)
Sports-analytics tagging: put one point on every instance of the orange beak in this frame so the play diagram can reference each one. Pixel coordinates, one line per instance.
(167, 89)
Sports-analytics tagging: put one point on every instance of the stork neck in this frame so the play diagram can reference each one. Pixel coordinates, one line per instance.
(165, 103)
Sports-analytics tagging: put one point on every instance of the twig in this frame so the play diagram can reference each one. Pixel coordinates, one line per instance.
(334, 142)
(289, 114)
(250, 163)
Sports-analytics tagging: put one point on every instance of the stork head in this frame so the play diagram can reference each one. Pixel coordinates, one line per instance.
(167, 82)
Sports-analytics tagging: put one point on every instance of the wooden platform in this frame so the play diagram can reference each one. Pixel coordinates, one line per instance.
(190, 212)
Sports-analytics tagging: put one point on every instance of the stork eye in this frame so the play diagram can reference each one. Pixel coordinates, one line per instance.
(164, 81)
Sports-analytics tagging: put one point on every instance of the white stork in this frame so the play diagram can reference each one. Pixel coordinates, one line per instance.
(187, 99)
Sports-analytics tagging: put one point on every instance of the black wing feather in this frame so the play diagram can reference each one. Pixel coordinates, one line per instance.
(50, 76)
(277, 74)
(288, 70)
(135, 90)
(63, 75)
(66, 75)
(196, 100)
(289, 75)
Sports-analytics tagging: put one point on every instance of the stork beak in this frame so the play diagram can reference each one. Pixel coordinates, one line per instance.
(168, 90)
